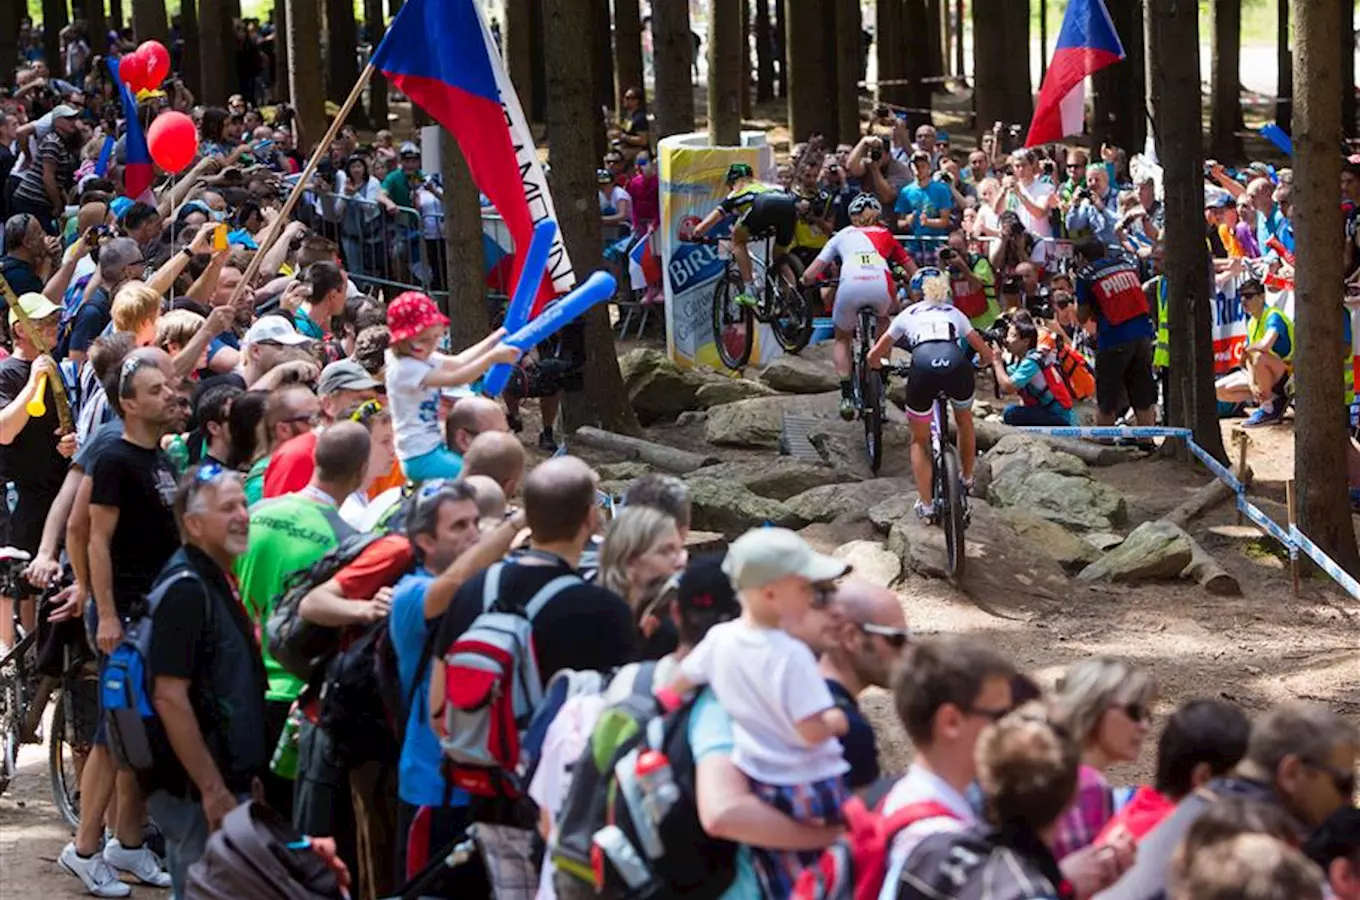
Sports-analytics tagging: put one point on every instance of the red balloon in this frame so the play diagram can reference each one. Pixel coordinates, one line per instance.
(132, 72)
(157, 60)
(172, 140)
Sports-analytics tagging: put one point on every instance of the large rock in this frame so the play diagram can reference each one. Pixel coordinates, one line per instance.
(1051, 539)
(622, 471)
(891, 511)
(658, 389)
(1025, 473)
(846, 501)
(794, 375)
(779, 478)
(871, 561)
(842, 445)
(1154, 550)
(730, 390)
(760, 422)
(920, 547)
(731, 509)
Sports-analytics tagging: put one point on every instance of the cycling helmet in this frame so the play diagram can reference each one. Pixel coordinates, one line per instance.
(918, 281)
(739, 170)
(863, 202)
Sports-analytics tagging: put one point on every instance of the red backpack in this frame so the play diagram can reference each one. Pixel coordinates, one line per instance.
(854, 867)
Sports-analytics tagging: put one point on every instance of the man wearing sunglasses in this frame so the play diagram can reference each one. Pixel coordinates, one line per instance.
(1267, 360)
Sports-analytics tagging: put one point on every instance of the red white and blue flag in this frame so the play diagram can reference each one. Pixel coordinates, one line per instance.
(441, 54)
(139, 173)
(1086, 44)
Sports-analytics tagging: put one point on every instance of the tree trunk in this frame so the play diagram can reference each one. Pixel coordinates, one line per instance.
(281, 92)
(781, 43)
(377, 85)
(747, 72)
(603, 56)
(1019, 94)
(960, 17)
(812, 79)
(673, 59)
(97, 24)
(1320, 443)
(519, 48)
(1173, 40)
(463, 248)
(933, 22)
(213, 49)
(627, 49)
(1121, 100)
(572, 114)
(889, 31)
(342, 61)
(991, 66)
(188, 26)
(1284, 67)
(724, 72)
(116, 15)
(760, 24)
(849, 29)
(304, 70)
(1346, 31)
(226, 33)
(9, 44)
(1225, 104)
(916, 93)
(149, 21)
(55, 17)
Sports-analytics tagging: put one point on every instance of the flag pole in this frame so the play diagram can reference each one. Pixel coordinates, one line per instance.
(304, 178)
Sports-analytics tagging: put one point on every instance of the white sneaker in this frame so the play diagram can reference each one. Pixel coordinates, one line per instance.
(97, 875)
(142, 863)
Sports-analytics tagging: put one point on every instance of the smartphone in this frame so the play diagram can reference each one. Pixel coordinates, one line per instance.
(220, 238)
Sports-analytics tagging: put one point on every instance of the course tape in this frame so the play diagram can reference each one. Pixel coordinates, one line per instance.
(1325, 563)
(1108, 432)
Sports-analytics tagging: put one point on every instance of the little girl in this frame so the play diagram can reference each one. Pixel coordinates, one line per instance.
(415, 373)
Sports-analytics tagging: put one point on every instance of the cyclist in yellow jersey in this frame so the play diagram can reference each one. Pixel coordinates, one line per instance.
(761, 210)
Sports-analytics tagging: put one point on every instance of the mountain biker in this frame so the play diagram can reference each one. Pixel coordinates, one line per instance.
(869, 257)
(761, 209)
(934, 331)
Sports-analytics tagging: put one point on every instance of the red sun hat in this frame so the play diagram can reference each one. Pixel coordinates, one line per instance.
(411, 313)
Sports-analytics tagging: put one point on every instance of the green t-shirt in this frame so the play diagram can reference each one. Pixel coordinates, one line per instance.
(255, 481)
(287, 534)
(398, 186)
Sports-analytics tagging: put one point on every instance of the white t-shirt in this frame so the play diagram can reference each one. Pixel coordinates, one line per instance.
(354, 510)
(415, 407)
(611, 197)
(1038, 193)
(923, 322)
(767, 682)
(921, 786)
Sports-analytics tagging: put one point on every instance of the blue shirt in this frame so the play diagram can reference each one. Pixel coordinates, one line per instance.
(1028, 379)
(927, 202)
(1282, 347)
(710, 731)
(419, 779)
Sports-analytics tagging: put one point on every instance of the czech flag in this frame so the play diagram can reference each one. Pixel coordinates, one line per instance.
(441, 55)
(138, 171)
(644, 268)
(1086, 44)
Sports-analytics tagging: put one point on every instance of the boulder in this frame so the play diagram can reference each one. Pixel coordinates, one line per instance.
(920, 547)
(730, 390)
(700, 543)
(794, 375)
(1025, 473)
(1032, 453)
(846, 501)
(658, 389)
(1103, 541)
(731, 509)
(842, 445)
(888, 513)
(760, 422)
(1154, 550)
(692, 417)
(779, 478)
(1051, 539)
(622, 471)
(871, 561)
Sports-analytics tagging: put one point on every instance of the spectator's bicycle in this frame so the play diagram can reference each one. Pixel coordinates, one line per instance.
(780, 303)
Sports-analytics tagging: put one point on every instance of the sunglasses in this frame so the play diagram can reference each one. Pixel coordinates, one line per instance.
(991, 715)
(1136, 712)
(131, 367)
(1343, 781)
(209, 472)
(367, 411)
(822, 595)
(897, 638)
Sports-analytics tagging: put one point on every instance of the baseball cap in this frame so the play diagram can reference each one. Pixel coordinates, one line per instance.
(36, 306)
(64, 111)
(408, 149)
(410, 313)
(274, 330)
(763, 555)
(344, 375)
(704, 589)
(1216, 199)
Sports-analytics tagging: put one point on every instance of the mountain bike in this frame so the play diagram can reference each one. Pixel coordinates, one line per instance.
(780, 303)
(946, 487)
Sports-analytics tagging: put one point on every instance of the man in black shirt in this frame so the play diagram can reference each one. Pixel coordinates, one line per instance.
(209, 680)
(120, 261)
(26, 258)
(8, 126)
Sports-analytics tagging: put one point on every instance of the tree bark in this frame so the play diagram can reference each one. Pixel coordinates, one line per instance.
(916, 93)
(1346, 31)
(281, 88)
(747, 72)
(812, 79)
(781, 43)
(97, 24)
(304, 69)
(116, 15)
(991, 65)
(849, 29)
(627, 49)
(149, 21)
(213, 49)
(519, 46)
(1320, 441)
(724, 72)
(933, 23)
(1120, 89)
(463, 248)
(603, 56)
(1225, 105)
(377, 85)
(55, 17)
(189, 28)
(1284, 67)
(760, 25)
(1019, 94)
(342, 63)
(673, 58)
(889, 30)
(571, 97)
(9, 43)
(1173, 40)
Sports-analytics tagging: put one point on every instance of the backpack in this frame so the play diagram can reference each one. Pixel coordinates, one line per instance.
(605, 844)
(125, 687)
(1076, 371)
(492, 687)
(854, 867)
(356, 709)
(257, 853)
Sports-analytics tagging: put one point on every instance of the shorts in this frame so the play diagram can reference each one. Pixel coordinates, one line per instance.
(818, 802)
(938, 367)
(854, 294)
(441, 462)
(29, 516)
(1124, 377)
(773, 212)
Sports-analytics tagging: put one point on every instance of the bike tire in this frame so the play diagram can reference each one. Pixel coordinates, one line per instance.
(952, 517)
(9, 730)
(791, 322)
(63, 771)
(870, 385)
(733, 325)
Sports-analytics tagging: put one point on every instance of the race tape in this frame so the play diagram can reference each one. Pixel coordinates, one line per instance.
(1264, 522)
(1224, 474)
(1324, 562)
(1138, 431)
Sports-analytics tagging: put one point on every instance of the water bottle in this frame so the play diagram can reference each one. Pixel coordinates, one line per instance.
(285, 761)
(657, 781)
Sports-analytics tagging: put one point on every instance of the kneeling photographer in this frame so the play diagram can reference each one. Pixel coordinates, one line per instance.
(1033, 374)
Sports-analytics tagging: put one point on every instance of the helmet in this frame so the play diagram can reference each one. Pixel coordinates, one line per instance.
(863, 202)
(918, 280)
(739, 170)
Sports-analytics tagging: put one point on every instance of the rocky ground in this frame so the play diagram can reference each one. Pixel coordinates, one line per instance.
(1067, 558)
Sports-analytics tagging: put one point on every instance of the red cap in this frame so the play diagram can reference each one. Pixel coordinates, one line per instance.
(410, 314)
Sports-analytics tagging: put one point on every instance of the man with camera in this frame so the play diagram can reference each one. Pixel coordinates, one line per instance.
(1094, 211)
(973, 281)
(877, 170)
(1033, 198)
(1044, 397)
(1015, 247)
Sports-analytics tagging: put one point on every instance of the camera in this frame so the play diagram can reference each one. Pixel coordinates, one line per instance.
(876, 149)
(1039, 307)
(995, 334)
(1083, 194)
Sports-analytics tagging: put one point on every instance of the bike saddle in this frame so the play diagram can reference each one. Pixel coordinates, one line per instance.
(14, 554)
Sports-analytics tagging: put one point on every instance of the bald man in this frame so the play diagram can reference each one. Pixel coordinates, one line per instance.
(470, 417)
(499, 456)
(863, 645)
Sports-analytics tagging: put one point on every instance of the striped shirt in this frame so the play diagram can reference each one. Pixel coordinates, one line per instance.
(30, 190)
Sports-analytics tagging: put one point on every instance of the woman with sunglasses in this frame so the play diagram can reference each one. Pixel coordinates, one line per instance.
(1106, 705)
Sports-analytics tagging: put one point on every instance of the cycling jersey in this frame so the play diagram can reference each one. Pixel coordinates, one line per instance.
(761, 210)
(865, 256)
(924, 322)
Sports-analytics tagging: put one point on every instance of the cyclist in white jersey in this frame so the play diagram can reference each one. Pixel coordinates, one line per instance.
(868, 254)
(934, 331)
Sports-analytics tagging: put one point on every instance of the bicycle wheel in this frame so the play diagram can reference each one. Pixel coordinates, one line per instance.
(733, 324)
(792, 319)
(870, 384)
(64, 758)
(10, 712)
(952, 517)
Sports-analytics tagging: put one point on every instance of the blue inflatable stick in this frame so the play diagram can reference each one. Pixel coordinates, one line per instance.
(1275, 134)
(597, 289)
(517, 313)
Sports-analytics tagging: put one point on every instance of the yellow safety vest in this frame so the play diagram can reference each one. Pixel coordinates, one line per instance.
(1256, 331)
(1161, 354)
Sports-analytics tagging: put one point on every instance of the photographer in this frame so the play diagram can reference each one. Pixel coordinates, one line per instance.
(1110, 292)
(877, 170)
(1044, 397)
(1015, 246)
(1094, 213)
(972, 279)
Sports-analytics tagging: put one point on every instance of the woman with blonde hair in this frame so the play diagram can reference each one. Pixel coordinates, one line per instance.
(1106, 706)
(642, 546)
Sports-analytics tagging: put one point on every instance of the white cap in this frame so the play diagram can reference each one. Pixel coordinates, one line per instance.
(274, 330)
(763, 555)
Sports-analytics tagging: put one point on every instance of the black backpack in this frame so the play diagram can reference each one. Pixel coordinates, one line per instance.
(258, 854)
(355, 699)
